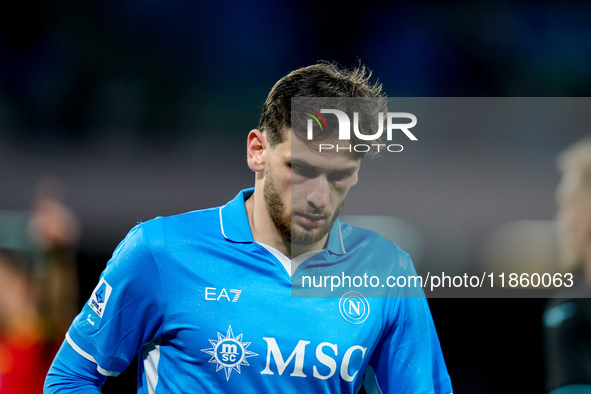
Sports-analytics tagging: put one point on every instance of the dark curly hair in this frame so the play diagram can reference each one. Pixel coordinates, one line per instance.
(318, 80)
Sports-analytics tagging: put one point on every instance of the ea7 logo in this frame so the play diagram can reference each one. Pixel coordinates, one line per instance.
(211, 294)
(345, 125)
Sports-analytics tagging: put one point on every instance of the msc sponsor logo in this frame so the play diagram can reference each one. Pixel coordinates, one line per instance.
(229, 352)
(354, 307)
(324, 357)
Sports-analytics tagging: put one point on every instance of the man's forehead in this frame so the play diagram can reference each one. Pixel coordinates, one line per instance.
(308, 152)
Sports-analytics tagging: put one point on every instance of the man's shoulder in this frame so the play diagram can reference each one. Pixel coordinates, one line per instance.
(186, 217)
(370, 246)
(194, 222)
(359, 237)
(207, 220)
(168, 230)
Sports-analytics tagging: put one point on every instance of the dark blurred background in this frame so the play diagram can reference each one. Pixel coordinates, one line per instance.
(141, 108)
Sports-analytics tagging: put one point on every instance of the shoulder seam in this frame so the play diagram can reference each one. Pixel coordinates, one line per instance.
(164, 303)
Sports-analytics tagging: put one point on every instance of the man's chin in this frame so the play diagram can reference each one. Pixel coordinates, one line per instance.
(305, 237)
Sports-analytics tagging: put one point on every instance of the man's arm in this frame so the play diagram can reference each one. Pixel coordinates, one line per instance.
(409, 357)
(72, 373)
(124, 312)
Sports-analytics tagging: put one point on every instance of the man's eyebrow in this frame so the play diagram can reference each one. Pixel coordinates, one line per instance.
(305, 163)
(346, 170)
(300, 162)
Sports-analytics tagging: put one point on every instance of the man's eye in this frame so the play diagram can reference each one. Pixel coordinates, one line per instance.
(303, 170)
(339, 176)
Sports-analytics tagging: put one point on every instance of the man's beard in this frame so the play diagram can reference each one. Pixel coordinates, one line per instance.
(282, 220)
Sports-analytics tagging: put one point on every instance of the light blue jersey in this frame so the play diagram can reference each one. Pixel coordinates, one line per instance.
(209, 310)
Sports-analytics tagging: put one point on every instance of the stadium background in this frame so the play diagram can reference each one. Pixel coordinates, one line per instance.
(142, 108)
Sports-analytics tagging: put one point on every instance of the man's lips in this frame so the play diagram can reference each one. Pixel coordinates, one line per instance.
(308, 220)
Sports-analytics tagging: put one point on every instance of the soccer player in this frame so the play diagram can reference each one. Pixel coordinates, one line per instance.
(205, 298)
(567, 320)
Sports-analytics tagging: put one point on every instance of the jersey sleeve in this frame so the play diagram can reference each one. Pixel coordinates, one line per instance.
(125, 310)
(408, 358)
(70, 373)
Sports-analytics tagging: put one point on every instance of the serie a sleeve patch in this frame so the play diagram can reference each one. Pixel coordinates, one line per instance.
(95, 308)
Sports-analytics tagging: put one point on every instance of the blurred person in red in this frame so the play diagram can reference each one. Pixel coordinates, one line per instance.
(567, 319)
(55, 231)
(38, 288)
(23, 349)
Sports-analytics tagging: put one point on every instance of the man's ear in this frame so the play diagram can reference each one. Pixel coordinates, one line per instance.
(256, 147)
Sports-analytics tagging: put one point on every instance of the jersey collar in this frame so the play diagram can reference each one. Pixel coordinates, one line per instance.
(233, 220)
(235, 227)
(336, 243)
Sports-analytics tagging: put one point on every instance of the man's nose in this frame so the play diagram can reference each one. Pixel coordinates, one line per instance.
(319, 192)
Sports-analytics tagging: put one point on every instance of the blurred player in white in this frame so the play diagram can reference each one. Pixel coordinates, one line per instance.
(567, 320)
